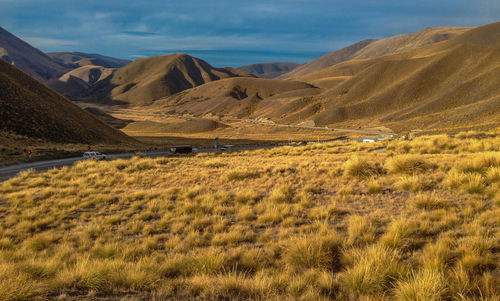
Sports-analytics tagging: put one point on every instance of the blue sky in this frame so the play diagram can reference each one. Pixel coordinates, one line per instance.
(229, 32)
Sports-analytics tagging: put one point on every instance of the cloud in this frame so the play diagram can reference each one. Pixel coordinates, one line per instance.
(295, 29)
(41, 42)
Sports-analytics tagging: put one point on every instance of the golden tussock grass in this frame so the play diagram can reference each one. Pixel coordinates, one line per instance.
(333, 221)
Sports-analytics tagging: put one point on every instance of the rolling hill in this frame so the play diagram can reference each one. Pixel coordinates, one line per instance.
(80, 59)
(269, 70)
(432, 81)
(449, 84)
(146, 80)
(29, 59)
(232, 96)
(375, 48)
(28, 108)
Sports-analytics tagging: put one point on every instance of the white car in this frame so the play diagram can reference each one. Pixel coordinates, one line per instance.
(227, 147)
(94, 156)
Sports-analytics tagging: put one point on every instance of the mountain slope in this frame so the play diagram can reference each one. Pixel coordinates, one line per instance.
(146, 80)
(269, 70)
(30, 109)
(377, 48)
(443, 85)
(231, 96)
(27, 58)
(83, 59)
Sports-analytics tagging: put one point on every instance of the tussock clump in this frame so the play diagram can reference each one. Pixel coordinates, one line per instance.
(371, 271)
(360, 230)
(427, 284)
(242, 174)
(246, 195)
(429, 201)
(281, 194)
(408, 164)
(360, 168)
(412, 183)
(319, 252)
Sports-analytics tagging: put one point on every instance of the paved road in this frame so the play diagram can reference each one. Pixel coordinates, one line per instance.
(12, 170)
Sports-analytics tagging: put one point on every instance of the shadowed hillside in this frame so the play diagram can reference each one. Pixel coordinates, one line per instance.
(30, 109)
(375, 48)
(269, 70)
(83, 59)
(27, 58)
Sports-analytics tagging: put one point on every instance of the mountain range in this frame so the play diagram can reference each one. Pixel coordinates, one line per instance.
(436, 78)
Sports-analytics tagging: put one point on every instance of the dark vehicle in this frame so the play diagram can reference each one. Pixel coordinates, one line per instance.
(181, 149)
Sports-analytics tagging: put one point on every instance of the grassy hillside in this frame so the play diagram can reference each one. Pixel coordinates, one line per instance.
(318, 222)
(448, 84)
(233, 96)
(375, 48)
(30, 109)
(146, 80)
(269, 70)
(83, 59)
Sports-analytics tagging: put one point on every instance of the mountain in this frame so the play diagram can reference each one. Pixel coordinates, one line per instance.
(436, 79)
(376, 48)
(80, 59)
(27, 58)
(145, 80)
(453, 83)
(232, 96)
(269, 70)
(29, 108)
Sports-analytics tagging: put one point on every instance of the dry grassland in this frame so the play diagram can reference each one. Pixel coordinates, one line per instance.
(324, 221)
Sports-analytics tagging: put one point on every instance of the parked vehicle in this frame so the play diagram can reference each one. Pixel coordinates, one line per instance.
(94, 156)
(181, 149)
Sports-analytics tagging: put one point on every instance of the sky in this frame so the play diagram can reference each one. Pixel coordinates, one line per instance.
(229, 32)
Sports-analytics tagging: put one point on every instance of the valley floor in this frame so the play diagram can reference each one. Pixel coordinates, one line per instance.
(322, 221)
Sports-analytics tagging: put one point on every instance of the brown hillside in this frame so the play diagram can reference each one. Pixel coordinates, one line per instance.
(27, 58)
(146, 80)
(90, 74)
(376, 48)
(30, 109)
(83, 59)
(269, 70)
(448, 84)
(233, 96)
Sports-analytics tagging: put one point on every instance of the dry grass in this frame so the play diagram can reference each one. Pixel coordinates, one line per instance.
(314, 222)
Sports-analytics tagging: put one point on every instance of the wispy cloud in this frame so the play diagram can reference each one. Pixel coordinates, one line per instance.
(252, 29)
(41, 42)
